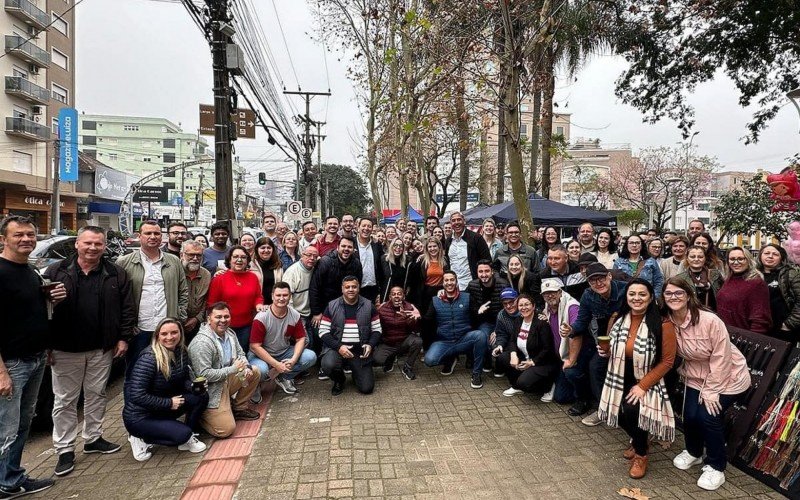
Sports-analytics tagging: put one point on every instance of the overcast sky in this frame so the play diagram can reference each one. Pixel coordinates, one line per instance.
(146, 58)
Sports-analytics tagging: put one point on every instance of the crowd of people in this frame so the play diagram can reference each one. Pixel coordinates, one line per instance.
(603, 324)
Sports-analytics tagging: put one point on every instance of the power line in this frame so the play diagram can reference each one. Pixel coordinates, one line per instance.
(286, 45)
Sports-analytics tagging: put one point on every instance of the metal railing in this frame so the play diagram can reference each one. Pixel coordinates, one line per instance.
(17, 44)
(30, 12)
(23, 126)
(20, 85)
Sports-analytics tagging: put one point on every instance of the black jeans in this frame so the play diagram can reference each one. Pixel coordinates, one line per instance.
(533, 379)
(164, 428)
(411, 347)
(629, 414)
(363, 376)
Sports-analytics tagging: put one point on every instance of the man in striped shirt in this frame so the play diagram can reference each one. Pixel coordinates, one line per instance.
(350, 329)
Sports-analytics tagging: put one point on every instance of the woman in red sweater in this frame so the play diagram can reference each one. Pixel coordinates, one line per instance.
(239, 288)
(743, 301)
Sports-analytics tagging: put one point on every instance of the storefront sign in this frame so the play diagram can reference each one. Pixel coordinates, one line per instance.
(68, 145)
(112, 184)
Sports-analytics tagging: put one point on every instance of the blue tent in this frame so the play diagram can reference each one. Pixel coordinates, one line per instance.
(545, 213)
(412, 215)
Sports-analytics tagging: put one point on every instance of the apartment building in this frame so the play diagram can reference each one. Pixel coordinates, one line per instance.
(38, 66)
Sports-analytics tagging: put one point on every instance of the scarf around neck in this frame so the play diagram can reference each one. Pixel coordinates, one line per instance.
(655, 411)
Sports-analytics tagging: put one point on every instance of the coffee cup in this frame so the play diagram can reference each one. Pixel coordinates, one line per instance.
(49, 286)
(604, 342)
(199, 386)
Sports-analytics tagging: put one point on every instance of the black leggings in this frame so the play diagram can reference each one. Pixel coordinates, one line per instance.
(629, 414)
(164, 428)
(534, 379)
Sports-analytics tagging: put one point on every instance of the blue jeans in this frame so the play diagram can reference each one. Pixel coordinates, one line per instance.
(443, 351)
(164, 428)
(306, 361)
(16, 412)
(243, 335)
(702, 430)
(136, 345)
(564, 392)
(577, 376)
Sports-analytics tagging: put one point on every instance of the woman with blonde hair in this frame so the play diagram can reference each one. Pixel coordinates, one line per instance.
(157, 395)
(489, 233)
(743, 300)
(395, 268)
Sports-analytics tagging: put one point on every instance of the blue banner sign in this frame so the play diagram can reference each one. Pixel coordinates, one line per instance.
(68, 146)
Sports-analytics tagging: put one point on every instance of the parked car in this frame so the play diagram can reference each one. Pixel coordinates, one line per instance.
(51, 249)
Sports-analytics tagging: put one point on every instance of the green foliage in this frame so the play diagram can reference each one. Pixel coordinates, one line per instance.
(347, 189)
(748, 210)
(631, 218)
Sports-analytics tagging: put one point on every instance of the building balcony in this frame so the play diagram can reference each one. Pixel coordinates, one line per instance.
(27, 51)
(28, 12)
(27, 129)
(25, 89)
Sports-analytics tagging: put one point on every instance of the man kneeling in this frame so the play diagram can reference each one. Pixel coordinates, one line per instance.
(216, 355)
(400, 333)
(270, 350)
(350, 329)
(454, 335)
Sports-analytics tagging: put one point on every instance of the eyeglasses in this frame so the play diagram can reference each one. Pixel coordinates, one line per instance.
(192, 256)
(678, 294)
(597, 279)
(737, 260)
(238, 257)
(312, 255)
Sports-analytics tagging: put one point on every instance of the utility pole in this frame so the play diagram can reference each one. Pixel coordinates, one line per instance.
(308, 145)
(55, 204)
(198, 198)
(220, 28)
(318, 137)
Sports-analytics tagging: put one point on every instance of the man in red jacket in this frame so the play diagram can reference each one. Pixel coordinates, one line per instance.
(400, 325)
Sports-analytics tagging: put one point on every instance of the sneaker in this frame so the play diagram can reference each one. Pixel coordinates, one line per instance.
(487, 365)
(27, 487)
(347, 371)
(578, 409)
(338, 388)
(256, 398)
(511, 392)
(548, 396)
(66, 463)
(408, 373)
(711, 478)
(140, 449)
(685, 460)
(592, 419)
(193, 445)
(100, 445)
(246, 414)
(497, 374)
(287, 385)
(321, 376)
(477, 381)
(448, 368)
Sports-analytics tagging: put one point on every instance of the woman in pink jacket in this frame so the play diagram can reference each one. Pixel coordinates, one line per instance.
(716, 375)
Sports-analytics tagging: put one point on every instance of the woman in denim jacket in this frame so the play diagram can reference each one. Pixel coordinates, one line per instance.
(635, 262)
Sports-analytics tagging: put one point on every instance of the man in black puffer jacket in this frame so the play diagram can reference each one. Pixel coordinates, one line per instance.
(485, 303)
(326, 282)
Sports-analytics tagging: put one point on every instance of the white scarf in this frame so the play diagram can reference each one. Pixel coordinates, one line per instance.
(563, 317)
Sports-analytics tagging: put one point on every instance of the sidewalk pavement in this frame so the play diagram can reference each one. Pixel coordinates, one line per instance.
(433, 437)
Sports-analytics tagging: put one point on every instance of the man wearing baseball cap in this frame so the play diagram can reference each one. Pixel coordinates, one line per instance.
(603, 298)
(561, 309)
(507, 325)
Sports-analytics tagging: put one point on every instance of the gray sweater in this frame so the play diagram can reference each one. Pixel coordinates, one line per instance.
(205, 353)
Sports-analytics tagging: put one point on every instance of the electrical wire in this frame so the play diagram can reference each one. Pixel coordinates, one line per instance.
(285, 44)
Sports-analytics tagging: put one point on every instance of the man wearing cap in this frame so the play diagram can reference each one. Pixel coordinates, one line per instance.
(508, 323)
(561, 309)
(514, 246)
(603, 298)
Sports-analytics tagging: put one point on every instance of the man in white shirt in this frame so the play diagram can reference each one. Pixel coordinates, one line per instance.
(464, 249)
(370, 255)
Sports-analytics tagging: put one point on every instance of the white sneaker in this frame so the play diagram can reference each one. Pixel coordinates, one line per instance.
(193, 445)
(548, 396)
(140, 449)
(511, 392)
(711, 478)
(685, 460)
(592, 419)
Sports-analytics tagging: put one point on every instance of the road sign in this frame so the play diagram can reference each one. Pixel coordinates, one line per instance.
(68, 147)
(471, 197)
(244, 119)
(151, 193)
(305, 214)
(294, 207)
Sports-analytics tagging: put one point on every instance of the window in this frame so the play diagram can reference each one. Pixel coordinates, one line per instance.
(60, 94)
(147, 159)
(87, 125)
(60, 24)
(17, 71)
(23, 162)
(169, 185)
(523, 107)
(54, 126)
(169, 174)
(130, 128)
(560, 131)
(169, 157)
(523, 129)
(60, 59)
(112, 156)
(20, 112)
(169, 143)
(90, 140)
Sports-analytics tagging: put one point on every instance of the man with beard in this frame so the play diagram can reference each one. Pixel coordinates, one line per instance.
(348, 226)
(328, 240)
(176, 235)
(197, 280)
(330, 270)
(485, 303)
(270, 226)
(514, 246)
(215, 253)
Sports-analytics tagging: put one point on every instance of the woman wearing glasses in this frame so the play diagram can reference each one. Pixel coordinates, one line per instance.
(635, 261)
(743, 300)
(716, 375)
(240, 289)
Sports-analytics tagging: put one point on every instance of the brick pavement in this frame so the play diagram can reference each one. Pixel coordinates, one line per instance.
(434, 437)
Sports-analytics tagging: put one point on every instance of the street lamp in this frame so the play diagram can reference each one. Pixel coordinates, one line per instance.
(672, 182)
(651, 196)
(794, 96)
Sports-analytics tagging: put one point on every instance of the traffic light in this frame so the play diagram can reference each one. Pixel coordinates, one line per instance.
(262, 178)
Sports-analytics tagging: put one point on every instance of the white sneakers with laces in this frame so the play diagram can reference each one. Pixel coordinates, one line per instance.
(140, 449)
(711, 479)
(685, 460)
(548, 396)
(193, 445)
(511, 392)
